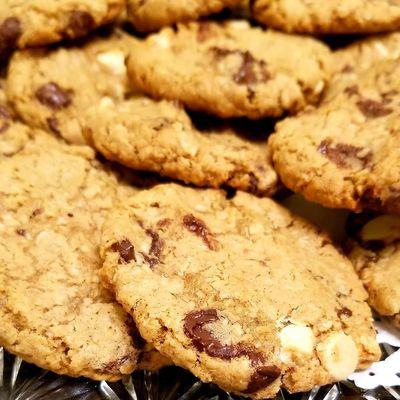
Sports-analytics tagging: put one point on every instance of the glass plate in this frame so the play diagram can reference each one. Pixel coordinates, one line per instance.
(23, 381)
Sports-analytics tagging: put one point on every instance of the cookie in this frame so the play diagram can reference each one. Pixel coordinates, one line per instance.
(39, 22)
(13, 135)
(54, 312)
(231, 69)
(344, 154)
(226, 289)
(51, 89)
(339, 16)
(150, 15)
(376, 257)
(159, 136)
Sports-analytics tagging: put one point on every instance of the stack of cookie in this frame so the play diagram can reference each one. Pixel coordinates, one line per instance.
(104, 271)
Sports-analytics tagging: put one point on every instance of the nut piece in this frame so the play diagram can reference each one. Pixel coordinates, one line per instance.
(297, 338)
(339, 355)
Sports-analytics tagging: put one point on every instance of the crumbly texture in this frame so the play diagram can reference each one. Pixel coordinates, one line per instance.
(13, 135)
(231, 69)
(159, 136)
(54, 312)
(336, 16)
(376, 257)
(150, 15)
(51, 89)
(38, 22)
(226, 289)
(344, 154)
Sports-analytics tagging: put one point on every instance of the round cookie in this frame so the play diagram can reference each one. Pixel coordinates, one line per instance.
(51, 89)
(38, 22)
(335, 16)
(376, 257)
(226, 289)
(231, 69)
(344, 154)
(159, 136)
(54, 312)
(150, 15)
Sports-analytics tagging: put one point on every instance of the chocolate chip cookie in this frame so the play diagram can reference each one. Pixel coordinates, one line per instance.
(227, 289)
(231, 69)
(376, 257)
(344, 153)
(51, 89)
(339, 16)
(54, 312)
(13, 134)
(38, 22)
(159, 136)
(150, 15)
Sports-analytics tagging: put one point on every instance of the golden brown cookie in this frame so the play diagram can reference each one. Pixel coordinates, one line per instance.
(159, 136)
(227, 289)
(345, 152)
(231, 69)
(38, 22)
(150, 15)
(333, 16)
(54, 312)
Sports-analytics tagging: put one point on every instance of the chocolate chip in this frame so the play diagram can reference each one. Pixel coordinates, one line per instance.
(344, 155)
(52, 123)
(347, 69)
(21, 232)
(352, 90)
(156, 246)
(126, 251)
(199, 228)
(162, 223)
(204, 32)
(4, 112)
(53, 96)
(262, 377)
(373, 109)
(203, 340)
(10, 31)
(37, 212)
(80, 23)
(156, 243)
(114, 366)
(251, 70)
(4, 126)
(345, 312)
(247, 74)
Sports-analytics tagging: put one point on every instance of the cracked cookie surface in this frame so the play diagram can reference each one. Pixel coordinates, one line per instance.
(344, 153)
(225, 288)
(376, 257)
(54, 312)
(38, 22)
(51, 89)
(231, 69)
(336, 16)
(150, 15)
(159, 136)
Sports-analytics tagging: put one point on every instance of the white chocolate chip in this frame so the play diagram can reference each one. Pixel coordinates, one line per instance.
(339, 355)
(239, 24)
(382, 49)
(106, 102)
(161, 40)
(114, 60)
(256, 228)
(297, 338)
